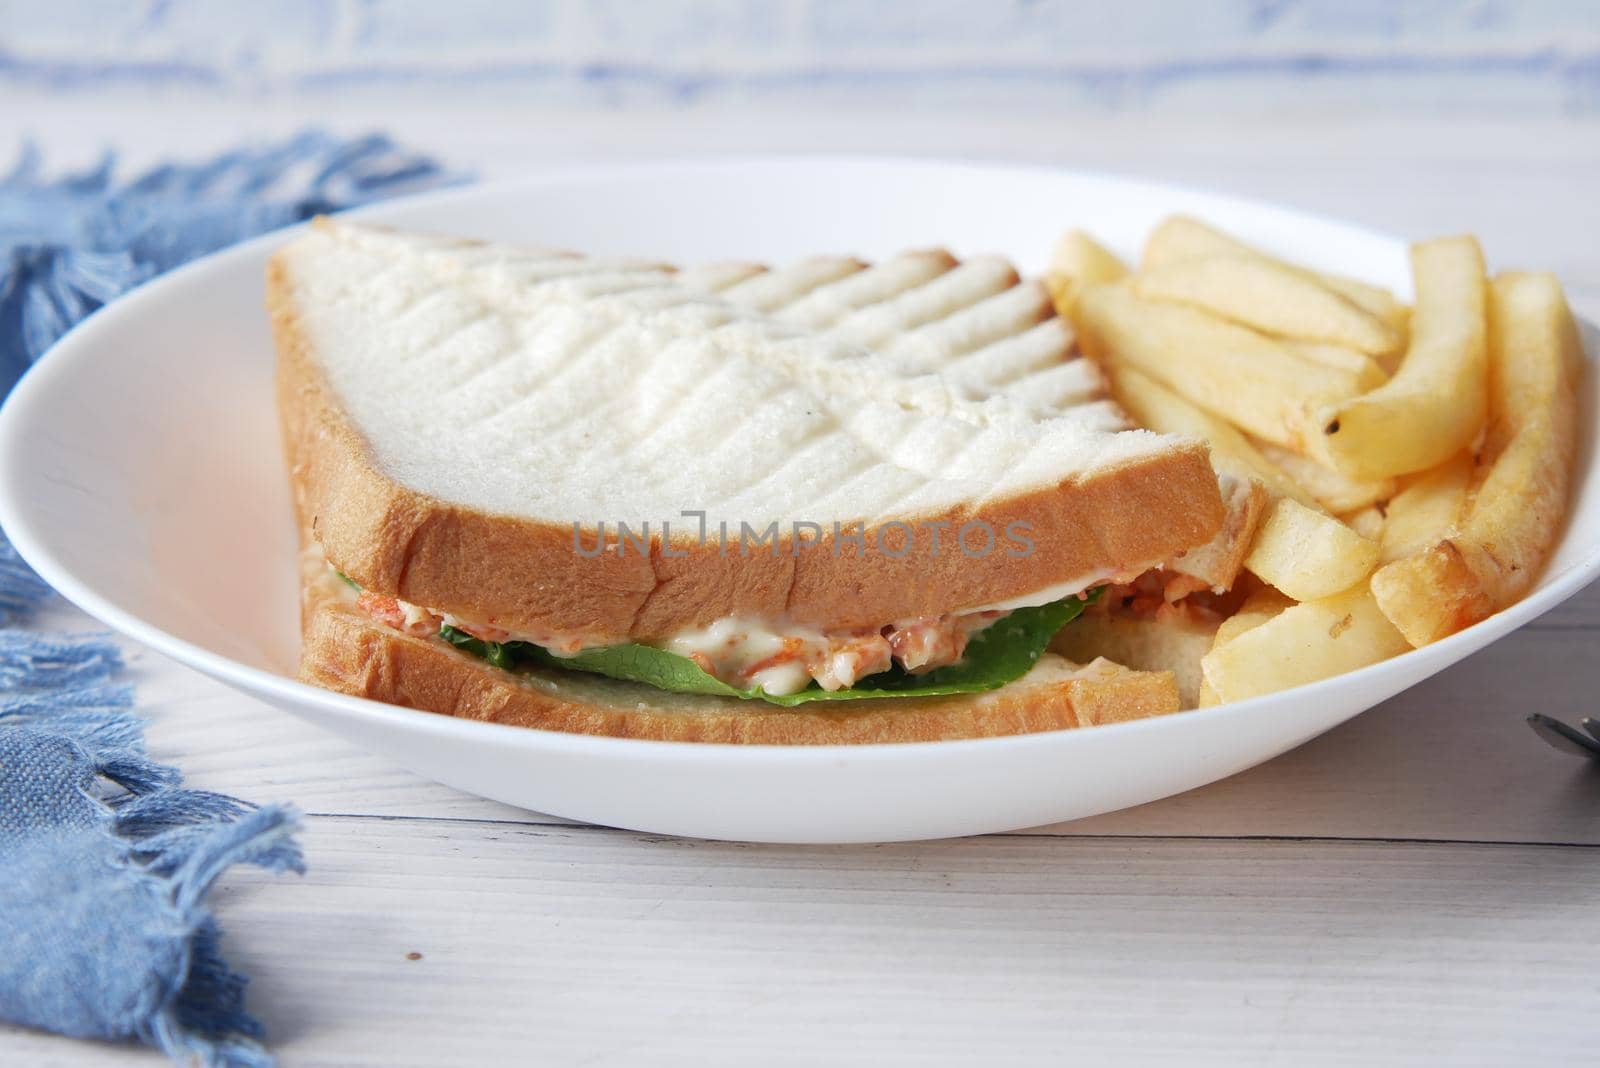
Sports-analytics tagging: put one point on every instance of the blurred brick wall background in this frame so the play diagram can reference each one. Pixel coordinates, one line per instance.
(1212, 57)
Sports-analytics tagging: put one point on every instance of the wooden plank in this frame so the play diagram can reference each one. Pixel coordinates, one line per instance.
(1582, 611)
(567, 945)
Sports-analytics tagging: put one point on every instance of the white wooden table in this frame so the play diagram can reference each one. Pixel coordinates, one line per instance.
(1420, 885)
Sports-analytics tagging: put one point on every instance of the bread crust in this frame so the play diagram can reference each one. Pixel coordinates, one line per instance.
(524, 575)
(1216, 564)
(346, 651)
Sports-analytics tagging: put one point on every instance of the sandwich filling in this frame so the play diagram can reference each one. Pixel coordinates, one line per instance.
(743, 653)
(951, 653)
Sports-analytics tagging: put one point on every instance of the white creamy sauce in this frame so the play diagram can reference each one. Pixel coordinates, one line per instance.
(1069, 588)
(730, 647)
(749, 640)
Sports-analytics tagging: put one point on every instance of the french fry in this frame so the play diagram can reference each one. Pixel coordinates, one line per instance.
(1535, 368)
(1390, 363)
(1079, 260)
(1434, 405)
(1257, 609)
(1515, 509)
(1180, 237)
(1229, 370)
(1308, 554)
(1271, 297)
(1334, 491)
(1157, 408)
(1302, 644)
(1367, 369)
(1431, 595)
(1368, 522)
(1427, 508)
(1080, 256)
(1447, 470)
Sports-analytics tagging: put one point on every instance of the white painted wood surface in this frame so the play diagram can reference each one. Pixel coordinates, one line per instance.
(1421, 885)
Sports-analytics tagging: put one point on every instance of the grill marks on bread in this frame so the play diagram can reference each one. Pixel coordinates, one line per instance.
(555, 388)
(633, 376)
(978, 325)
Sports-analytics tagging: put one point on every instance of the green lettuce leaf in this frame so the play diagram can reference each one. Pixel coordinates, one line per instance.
(1000, 653)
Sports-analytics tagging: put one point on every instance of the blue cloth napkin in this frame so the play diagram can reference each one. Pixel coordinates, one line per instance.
(105, 859)
(106, 863)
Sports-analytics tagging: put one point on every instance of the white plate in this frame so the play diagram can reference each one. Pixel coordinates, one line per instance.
(140, 474)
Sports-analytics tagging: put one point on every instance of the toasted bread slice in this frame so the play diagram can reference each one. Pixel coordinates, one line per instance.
(1172, 644)
(346, 651)
(1216, 564)
(452, 410)
(1008, 344)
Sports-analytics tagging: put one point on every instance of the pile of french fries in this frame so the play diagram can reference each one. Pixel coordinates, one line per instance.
(1415, 460)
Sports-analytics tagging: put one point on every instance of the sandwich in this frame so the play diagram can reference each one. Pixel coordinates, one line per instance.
(829, 502)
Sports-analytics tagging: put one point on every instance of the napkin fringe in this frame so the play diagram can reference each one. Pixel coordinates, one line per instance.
(182, 839)
(21, 590)
(206, 1020)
